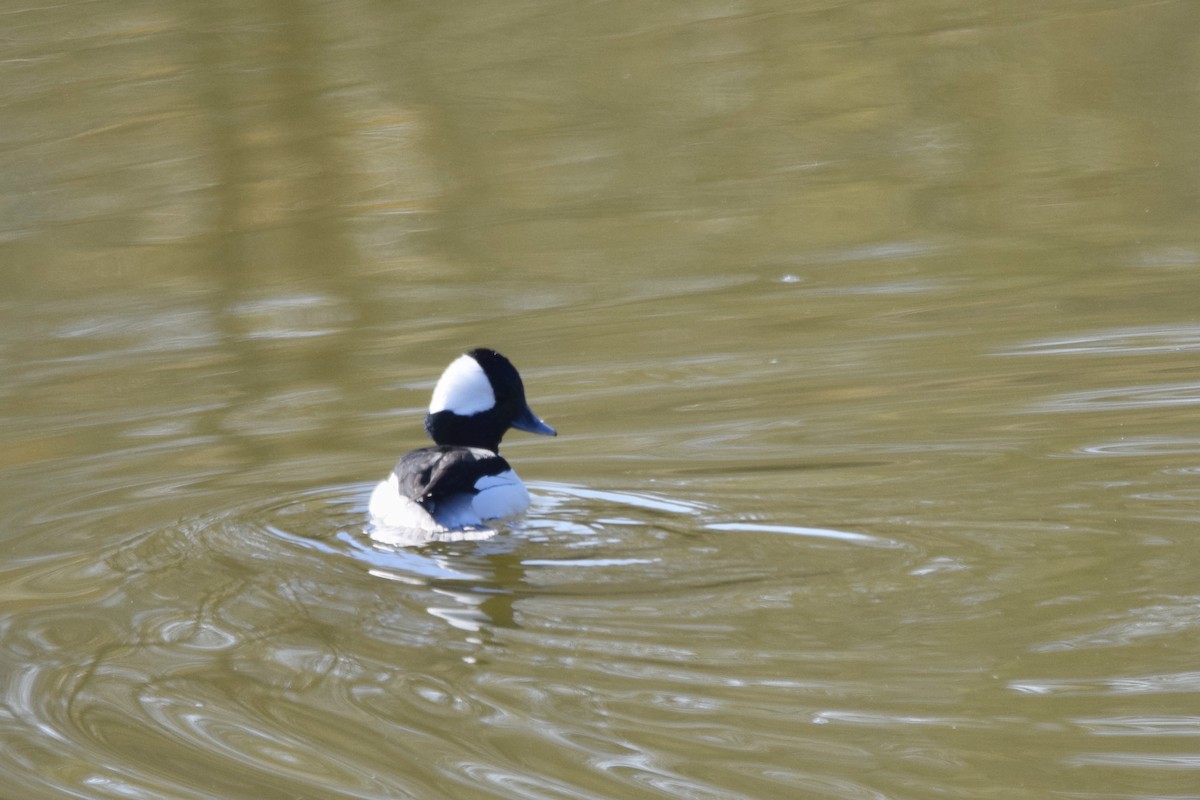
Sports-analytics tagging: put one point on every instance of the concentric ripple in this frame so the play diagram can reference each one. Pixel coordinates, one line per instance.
(268, 649)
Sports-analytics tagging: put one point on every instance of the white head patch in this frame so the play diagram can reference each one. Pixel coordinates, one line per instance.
(463, 389)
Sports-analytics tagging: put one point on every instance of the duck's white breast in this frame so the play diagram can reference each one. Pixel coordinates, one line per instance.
(497, 497)
(389, 509)
(500, 496)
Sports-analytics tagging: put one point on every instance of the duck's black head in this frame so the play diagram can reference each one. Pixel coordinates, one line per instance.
(477, 399)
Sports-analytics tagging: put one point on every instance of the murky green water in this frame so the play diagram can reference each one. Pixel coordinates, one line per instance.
(870, 331)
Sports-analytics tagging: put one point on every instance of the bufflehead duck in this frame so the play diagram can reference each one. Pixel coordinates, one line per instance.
(462, 481)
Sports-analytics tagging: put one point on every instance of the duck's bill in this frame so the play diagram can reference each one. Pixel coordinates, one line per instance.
(529, 422)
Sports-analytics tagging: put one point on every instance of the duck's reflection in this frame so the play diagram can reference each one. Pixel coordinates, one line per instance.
(474, 579)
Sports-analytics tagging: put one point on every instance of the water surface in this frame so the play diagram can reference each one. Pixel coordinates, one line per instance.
(869, 331)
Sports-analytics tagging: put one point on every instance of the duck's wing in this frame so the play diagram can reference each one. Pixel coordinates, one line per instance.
(432, 474)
